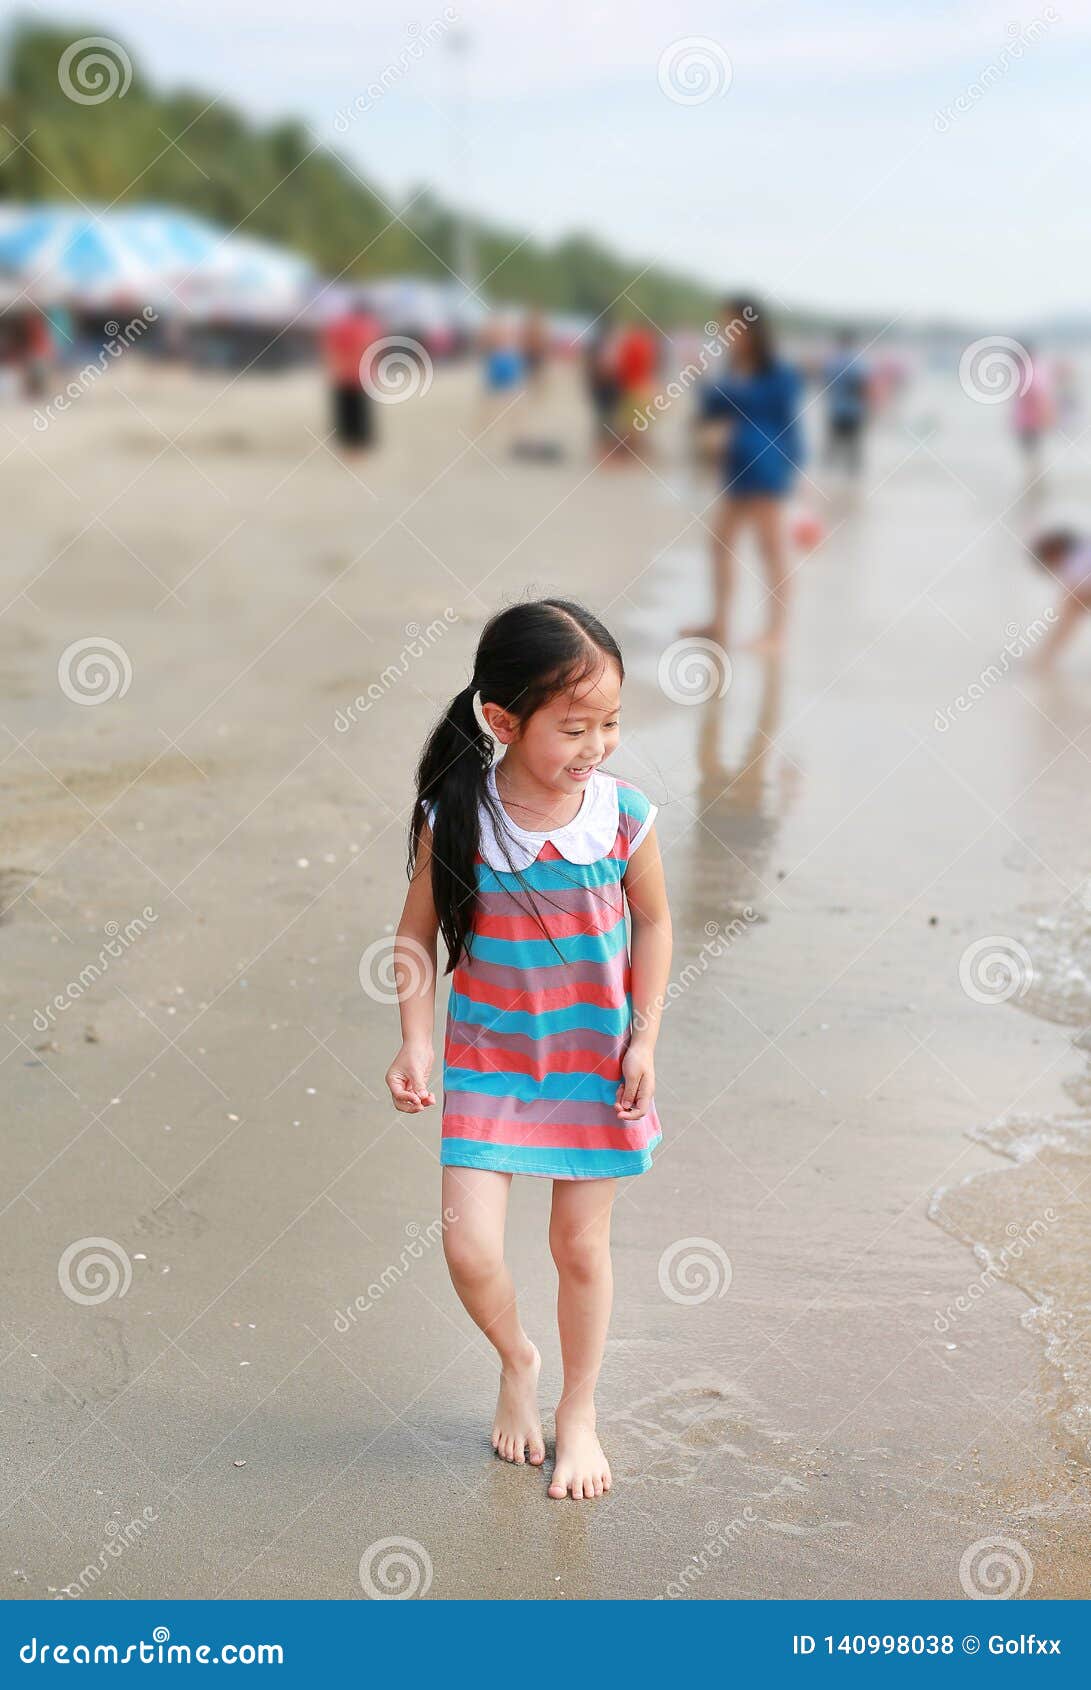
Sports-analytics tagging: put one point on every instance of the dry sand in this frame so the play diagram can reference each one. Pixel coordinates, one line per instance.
(213, 1104)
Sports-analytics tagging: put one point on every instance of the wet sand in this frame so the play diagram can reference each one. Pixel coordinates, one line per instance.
(288, 1382)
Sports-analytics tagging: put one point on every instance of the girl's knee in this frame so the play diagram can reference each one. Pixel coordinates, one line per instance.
(471, 1255)
(580, 1255)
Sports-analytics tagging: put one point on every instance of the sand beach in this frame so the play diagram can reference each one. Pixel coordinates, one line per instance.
(220, 649)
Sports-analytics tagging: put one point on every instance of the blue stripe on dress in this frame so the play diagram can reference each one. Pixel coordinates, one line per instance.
(527, 954)
(551, 876)
(524, 1088)
(539, 1159)
(633, 803)
(574, 1018)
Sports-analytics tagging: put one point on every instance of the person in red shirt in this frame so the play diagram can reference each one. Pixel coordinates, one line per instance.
(636, 361)
(347, 339)
(637, 358)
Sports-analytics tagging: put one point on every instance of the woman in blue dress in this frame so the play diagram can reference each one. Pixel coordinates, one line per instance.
(759, 398)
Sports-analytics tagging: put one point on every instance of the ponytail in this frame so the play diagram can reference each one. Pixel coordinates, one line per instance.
(451, 786)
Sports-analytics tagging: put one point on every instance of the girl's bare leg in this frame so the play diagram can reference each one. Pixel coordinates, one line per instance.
(475, 1202)
(727, 522)
(768, 517)
(579, 1237)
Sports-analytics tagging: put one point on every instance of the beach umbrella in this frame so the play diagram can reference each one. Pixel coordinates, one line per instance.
(56, 252)
(249, 280)
(152, 254)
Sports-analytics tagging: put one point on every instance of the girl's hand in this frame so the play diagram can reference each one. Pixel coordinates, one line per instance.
(637, 1088)
(407, 1078)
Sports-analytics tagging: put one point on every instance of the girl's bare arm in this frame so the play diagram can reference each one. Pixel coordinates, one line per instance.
(652, 942)
(415, 975)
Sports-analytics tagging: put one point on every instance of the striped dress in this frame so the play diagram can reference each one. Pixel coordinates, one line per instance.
(536, 1030)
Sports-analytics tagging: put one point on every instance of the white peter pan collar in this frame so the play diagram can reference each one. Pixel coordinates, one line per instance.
(587, 838)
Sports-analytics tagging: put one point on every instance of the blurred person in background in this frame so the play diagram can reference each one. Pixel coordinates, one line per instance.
(38, 355)
(846, 384)
(1067, 395)
(636, 362)
(349, 336)
(63, 330)
(758, 398)
(888, 380)
(535, 346)
(1033, 414)
(503, 374)
(601, 379)
(1066, 555)
(11, 339)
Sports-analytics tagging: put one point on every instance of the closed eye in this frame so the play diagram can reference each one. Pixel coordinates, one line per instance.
(578, 733)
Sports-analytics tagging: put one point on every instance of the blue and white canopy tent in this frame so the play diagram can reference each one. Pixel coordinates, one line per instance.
(150, 255)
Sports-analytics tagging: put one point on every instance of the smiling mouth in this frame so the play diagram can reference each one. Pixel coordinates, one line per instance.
(581, 769)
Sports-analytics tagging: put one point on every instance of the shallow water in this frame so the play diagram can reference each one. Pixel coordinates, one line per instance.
(1059, 981)
(1029, 1225)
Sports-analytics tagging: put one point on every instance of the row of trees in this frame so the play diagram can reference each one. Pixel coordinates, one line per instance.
(274, 182)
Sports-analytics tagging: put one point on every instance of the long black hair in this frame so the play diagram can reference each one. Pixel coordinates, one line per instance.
(761, 343)
(526, 655)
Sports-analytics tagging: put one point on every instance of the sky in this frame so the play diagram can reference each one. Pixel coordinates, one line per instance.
(818, 158)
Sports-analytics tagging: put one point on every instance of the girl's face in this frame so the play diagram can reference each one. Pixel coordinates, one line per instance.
(566, 739)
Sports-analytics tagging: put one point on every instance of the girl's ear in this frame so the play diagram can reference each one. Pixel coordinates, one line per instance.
(502, 724)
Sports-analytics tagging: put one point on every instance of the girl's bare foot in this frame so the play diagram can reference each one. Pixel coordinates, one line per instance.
(517, 1427)
(580, 1468)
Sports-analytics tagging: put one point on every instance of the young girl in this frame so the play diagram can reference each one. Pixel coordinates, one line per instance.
(526, 868)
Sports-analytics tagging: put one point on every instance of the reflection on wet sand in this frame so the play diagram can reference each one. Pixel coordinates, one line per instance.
(742, 802)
